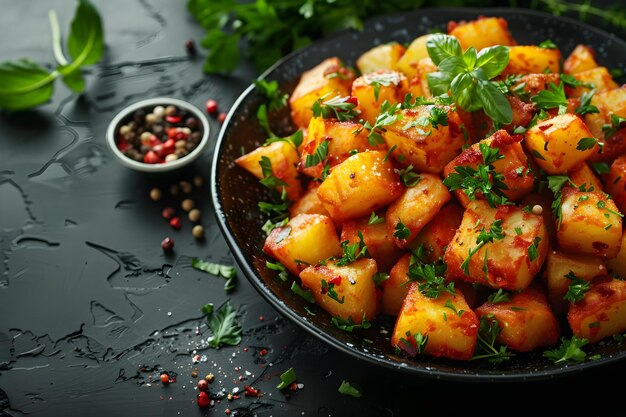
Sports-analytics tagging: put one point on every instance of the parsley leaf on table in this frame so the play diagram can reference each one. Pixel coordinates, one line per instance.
(225, 330)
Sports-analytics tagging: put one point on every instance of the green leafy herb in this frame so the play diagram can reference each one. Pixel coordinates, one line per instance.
(615, 125)
(374, 219)
(408, 176)
(570, 350)
(572, 81)
(430, 276)
(24, 84)
(499, 296)
(484, 237)
(269, 180)
(401, 231)
(347, 389)
(452, 307)
(276, 98)
(488, 331)
(388, 115)
(349, 325)
(287, 378)
(340, 108)
(532, 249)
(585, 106)
(388, 154)
(207, 309)
(294, 140)
(320, 154)
(548, 44)
(225, 271)
(551, 98)
(380, 277)
(576, 289)
(226, 331)
(352, 252)
(283, 274)
(413, 344)
(329, 290)
(466, 75)
(586, 143)
(306, 294)
(484, 179)
(601, 167)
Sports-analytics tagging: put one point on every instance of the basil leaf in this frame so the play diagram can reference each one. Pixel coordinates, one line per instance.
(24, 84)
(441, 46)
(461, 82)
(493, 60)
(85, 42)
(439, 82)
(74, 80)
(470, 57)
(468, 99)
(453, 64)
(494, 102)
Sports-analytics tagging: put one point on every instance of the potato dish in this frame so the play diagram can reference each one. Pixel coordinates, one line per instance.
(470, 187)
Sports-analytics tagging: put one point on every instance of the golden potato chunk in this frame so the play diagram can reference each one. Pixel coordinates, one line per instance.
(342, 138)
(556, 143)
(482, 33)
(601, 313)
(419, 143)
(616, 183)
(599, 79)
(346, 291)
(582, 58)
(526, 320)
(447, 321)
(306, 240)
(514, 257)
(424, 67)
(379, 241)
(359, 185)
(583, 176)
(416, 51)
(375, 88)
(282, 158)
(532, 84)
(560, 264)
(309, 203)
(617, 265)
(329, 78)
(419, 204)
(531, 59)
(608, 103)
(591, 224)
(439, 232)
(518, 178)
(381, 57)
(396, 287)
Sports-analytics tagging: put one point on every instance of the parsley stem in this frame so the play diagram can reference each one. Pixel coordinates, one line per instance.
(56, 38)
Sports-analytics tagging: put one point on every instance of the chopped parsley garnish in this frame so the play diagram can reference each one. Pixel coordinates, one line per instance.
(340, 108)
(294, 140)
(556, 183)
(320, 154)
(380, 277)
(347, 389)
(452, 307)
(585, 106)
(352, 252)
(551, 98)
(374, 219)
(488, 331)
(283, 274)
(329, 290)
(306, 294)
(408, 176)
(532, 249)
(499, 296)
(349, 325)
(287, 378)
(615, 125)
(484, 179)
(484, 237)
(570, 350)
(576, 289)
(276, 98)
(548, 44)
(430, 276)
(586, 143)
(572, 81)
(413, 344)
(601, 167)
(269, 180)
(401, 231)
(388, 115)
(225, 330)
(227, 272)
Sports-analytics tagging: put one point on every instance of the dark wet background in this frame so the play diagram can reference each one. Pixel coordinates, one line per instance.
(92, 311)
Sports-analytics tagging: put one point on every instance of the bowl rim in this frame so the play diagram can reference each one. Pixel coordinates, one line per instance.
(164, 167)
(280, 306)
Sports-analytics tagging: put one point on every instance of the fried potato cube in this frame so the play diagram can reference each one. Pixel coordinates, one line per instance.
(518, 178)
(309, 203)
(448, 322)
(396, 287)
(608, 102)
(380, 57)
(553, 143)
(616, 183)
(600, 79)
(583, 176)
(416, 207)
(601, 313)
(374, 88)
(353, 285)
(342, 137)
(510, 263)
(407, 64)
(560, 264)
(283, 159)
(617, 265)
(329, 78)
(531, 59)
(359, 185)
(420, 144)
(582, 58)
(526, 320)
(306, 239)
(532, 84)
(482, 33)
(379, 241)
(591, 224)
(415, 87)
(439, 232)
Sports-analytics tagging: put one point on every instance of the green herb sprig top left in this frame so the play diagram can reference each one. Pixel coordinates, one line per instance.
(24, 84)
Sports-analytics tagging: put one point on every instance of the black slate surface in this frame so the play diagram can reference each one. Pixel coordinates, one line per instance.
(91, 310)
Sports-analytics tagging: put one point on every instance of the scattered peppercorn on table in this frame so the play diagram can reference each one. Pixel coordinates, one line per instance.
(116, 285)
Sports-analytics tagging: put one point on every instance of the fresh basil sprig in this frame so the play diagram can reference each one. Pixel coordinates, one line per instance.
(24, 84)
(467, 76)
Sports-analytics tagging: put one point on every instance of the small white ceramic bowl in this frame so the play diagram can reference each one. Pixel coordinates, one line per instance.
(149, 104)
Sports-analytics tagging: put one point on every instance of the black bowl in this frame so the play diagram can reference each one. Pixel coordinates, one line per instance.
(236, 193)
